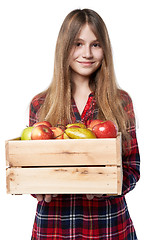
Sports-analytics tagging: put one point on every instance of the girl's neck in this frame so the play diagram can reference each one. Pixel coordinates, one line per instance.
(80, 85)
(80, 93)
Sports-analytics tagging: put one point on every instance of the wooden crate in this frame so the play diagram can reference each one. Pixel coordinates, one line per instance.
(64, 166)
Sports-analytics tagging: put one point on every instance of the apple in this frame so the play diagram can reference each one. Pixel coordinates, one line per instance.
(46, 123)
(26, 133)
(41, 132)
(57, 132)
(105, 129)
(93, 123)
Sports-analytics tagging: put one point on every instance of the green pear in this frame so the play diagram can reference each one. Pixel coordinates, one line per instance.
(81, 125)
(79, 133)
(65, 136)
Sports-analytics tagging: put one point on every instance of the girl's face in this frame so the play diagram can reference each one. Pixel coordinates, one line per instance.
(86, 55)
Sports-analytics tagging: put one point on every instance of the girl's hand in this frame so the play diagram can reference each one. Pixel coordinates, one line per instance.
(91, 196)
(46, 197)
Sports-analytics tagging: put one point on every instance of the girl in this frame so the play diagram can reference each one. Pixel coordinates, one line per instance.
(84, 88)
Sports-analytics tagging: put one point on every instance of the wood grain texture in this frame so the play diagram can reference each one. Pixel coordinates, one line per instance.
(64, 166)
(63, 152)
(62, 180)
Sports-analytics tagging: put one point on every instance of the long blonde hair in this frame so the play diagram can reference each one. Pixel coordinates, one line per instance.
(57, 105)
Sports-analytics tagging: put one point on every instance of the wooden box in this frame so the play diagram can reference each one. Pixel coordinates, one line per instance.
(64, 166)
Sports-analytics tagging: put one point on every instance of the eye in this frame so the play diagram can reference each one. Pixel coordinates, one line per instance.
(78, 44)
(96, 45)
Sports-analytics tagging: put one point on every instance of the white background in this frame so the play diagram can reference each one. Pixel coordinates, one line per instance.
(28, 34)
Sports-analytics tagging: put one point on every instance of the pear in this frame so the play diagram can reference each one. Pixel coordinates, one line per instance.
(81, 125)
(65, 136)
(79, 133)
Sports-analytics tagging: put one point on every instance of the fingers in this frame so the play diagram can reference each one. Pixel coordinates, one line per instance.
(48, 198)
(39, 197)
(89, 196)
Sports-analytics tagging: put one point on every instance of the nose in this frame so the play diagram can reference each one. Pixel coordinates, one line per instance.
(87, 52)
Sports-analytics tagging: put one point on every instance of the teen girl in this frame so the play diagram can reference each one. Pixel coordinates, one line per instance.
(84, 88)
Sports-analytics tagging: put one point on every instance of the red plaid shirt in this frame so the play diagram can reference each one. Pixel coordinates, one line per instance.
(73, 216)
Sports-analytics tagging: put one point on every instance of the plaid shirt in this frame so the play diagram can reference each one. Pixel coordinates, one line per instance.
(73, 216)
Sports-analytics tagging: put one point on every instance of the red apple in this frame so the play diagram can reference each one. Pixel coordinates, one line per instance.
(57, 132)
(105, 129)
(41, 132)
(93, 123)
(46, 123)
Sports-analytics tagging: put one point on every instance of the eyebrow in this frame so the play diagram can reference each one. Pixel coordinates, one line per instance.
(80, 39)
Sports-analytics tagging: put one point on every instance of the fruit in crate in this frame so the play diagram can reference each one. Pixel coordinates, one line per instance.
(80, 125)
(57, 132)
(65, 136)
(41, 132)
(93, 123)
(79, 133)
(26, 133)
(106, 129)
(95, 129)
(46, 123)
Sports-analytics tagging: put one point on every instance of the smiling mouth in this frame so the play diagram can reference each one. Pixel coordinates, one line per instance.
(86, 63)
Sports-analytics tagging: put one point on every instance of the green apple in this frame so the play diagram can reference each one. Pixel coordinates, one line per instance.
(26, 133)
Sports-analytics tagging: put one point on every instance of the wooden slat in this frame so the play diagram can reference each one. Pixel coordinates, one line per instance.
(62, 180)
(63, 152)
(119, 180)
(7, 153)
(119, 150)
(119, 165)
